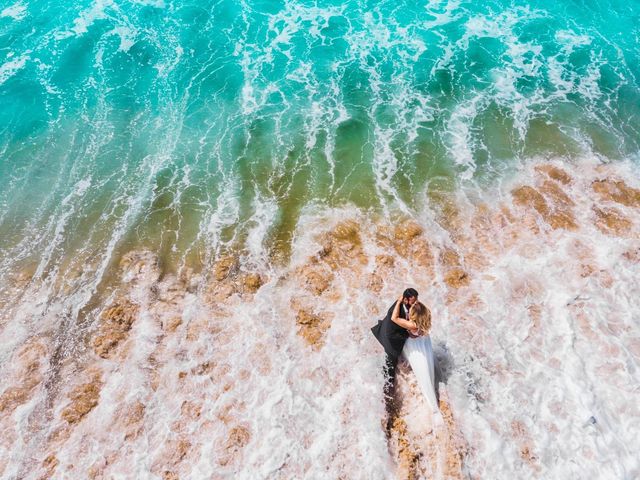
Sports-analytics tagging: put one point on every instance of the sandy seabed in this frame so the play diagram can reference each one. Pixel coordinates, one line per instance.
(252, 370)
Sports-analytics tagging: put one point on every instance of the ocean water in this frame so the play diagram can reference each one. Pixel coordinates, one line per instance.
(170, 124)
(257, 181)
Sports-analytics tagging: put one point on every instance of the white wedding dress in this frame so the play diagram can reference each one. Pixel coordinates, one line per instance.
(419, 352)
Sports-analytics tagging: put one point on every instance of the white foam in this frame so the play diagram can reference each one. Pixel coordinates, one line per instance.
(86, 18)
(151, 3)
(90, 15)
(523, 389)
(571, 40)
(226, 213)
(10, 68)
(265, 213)
(166, 67)
(460, 140)
(17, 11)
(435, 7)
(127, 37)
(588, 85)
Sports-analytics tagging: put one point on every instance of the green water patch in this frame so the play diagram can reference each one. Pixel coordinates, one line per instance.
(556, 135)
(352, 156)
(496, 143)
(626, 104)
(170, 225)
(499, 135)
(321, 166)
(547, 139)
(162, 222)
(602, 141)
(289, 208)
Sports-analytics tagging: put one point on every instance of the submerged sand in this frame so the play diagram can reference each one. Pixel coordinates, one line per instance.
(253, 371)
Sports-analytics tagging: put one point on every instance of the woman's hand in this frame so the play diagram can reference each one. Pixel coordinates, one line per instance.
(403, 322)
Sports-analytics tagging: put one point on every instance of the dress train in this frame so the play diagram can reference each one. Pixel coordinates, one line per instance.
(419, 352)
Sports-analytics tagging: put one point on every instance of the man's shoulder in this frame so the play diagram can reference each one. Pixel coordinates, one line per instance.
(390, 311)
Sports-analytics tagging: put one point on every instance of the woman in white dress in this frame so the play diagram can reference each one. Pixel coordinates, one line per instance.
(419, 351)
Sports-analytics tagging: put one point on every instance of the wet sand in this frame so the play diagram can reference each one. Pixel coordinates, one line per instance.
(270, 371)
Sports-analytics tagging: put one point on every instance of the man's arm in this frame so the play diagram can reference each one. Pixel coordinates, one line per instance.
(390, 311)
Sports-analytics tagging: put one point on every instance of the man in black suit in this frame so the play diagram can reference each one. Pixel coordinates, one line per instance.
(392, 337)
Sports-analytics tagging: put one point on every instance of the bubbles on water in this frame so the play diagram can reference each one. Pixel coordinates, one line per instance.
(223, 125)
(17, 11)
(10, 68)
(216, 363)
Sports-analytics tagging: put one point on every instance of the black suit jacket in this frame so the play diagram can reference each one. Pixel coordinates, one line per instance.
(391, 335)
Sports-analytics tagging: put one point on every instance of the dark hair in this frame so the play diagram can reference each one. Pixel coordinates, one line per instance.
(410, 292)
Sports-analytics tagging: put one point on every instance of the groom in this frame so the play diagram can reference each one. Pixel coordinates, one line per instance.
(392, 337)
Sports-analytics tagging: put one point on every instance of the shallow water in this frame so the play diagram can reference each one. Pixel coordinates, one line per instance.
(254, 183)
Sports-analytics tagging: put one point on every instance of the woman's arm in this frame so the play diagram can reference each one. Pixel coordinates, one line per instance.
(395, 317)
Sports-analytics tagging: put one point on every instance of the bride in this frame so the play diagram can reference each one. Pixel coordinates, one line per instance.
(418, 350)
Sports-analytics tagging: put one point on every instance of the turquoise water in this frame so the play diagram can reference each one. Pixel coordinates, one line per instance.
(185, 127)
(198, 129)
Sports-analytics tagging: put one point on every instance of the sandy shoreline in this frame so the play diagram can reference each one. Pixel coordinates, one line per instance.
(200, 374)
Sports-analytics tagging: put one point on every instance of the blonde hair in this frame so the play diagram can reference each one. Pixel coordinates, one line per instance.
(421, 316)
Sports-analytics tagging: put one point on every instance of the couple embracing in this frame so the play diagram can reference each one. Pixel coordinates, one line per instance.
(405, 331)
